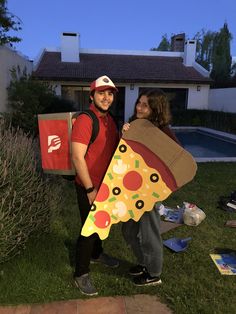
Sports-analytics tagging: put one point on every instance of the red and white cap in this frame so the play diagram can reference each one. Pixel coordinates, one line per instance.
(102, 83)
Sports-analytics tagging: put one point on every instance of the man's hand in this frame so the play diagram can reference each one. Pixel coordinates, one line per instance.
(91, 196)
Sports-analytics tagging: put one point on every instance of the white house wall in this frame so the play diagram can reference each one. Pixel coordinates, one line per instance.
(131, 94)
(57, 89)
(8, 59)
(198, 97)
(223, 99)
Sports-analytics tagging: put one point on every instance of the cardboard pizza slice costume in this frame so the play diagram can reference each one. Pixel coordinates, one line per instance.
(146, 167)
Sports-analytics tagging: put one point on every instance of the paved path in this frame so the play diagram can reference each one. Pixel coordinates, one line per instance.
(137, 304)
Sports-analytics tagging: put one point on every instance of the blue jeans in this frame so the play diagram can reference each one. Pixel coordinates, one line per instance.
(145, 239)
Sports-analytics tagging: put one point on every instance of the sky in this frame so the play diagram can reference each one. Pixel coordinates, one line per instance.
(120, 25)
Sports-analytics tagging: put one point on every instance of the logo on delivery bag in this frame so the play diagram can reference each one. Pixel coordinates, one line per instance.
(54, 143)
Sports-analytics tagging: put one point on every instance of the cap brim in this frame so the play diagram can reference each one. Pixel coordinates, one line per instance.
(102, 88)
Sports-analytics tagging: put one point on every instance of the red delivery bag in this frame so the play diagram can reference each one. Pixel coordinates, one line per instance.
(55, 144)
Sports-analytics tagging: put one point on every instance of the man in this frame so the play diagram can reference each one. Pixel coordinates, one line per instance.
(91, 162)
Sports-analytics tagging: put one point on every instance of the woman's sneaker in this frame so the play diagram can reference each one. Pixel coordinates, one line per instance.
(85, 285)
(147, 280)
(137, 270)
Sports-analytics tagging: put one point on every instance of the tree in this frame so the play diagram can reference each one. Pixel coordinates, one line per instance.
(8, 21)
(28, 97)
(221, 57)
(212, 52)
(233, 70)
(205, 40)
(164, 45)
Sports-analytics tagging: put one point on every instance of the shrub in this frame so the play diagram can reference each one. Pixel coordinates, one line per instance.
(28, 97)
(28, 200)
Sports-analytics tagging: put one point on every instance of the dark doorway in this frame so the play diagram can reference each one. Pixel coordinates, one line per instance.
(118, 108)
(178, 97)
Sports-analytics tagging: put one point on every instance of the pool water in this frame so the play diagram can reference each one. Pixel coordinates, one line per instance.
(207, 143)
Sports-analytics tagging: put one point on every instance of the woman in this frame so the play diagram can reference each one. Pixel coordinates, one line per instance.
(144, 236)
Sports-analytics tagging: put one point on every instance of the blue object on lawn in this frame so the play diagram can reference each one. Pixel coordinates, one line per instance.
(177, 245)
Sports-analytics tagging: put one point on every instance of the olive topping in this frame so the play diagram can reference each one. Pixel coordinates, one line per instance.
(154, 177)
(122, 148)
(116, 190)
(139, 204)
(93, 207)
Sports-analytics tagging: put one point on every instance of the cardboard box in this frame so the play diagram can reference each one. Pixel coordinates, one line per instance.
(55, 144)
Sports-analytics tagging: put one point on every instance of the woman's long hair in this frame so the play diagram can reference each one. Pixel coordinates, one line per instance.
(159, 104)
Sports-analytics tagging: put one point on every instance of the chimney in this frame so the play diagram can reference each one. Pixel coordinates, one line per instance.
(70, 47)
(177, 42)
(189, 52)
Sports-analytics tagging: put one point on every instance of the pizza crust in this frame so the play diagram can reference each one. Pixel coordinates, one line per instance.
(179, 161)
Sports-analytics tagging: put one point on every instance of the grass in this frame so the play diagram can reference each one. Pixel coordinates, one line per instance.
(191, 282)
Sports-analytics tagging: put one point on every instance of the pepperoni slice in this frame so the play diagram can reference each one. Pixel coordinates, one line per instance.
(102, 219)
(103, 193)
(132, 181)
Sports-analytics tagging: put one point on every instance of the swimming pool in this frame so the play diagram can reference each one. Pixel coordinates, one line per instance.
(207, 144)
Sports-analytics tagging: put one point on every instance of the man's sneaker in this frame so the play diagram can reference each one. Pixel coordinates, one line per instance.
(137, 270)
(85, 285)
(147, 280)
(106, 260)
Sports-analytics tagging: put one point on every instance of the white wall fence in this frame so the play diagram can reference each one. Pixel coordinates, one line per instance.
(9, 59)
(222, 99)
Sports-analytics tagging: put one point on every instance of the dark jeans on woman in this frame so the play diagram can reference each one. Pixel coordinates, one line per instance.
(86, 247)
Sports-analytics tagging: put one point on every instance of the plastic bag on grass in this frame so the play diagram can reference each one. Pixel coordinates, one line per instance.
(192, 215)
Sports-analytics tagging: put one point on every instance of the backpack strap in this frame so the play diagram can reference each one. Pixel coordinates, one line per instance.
(95, 124)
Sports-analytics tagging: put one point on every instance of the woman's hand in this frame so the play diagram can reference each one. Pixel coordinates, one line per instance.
(125, 127)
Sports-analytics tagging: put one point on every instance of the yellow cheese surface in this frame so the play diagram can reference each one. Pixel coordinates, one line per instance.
(129, 188)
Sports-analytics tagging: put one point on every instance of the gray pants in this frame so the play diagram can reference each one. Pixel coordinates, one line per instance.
(144, 237)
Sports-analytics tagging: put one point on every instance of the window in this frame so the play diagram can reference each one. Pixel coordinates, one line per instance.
(178, 97)
(78, 95)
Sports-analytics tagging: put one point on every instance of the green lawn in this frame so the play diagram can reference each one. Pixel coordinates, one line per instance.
(191, 282)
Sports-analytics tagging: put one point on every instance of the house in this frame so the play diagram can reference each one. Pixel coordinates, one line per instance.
(9, 59)
(71, 69)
